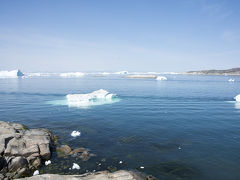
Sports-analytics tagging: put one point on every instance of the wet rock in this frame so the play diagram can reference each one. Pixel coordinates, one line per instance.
(81, 153)
(64, 149)
(22, 149)
(103, 175)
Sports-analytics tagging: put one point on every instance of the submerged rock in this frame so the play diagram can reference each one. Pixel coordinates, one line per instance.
(22, 150)
(103, 175)
(82, 153)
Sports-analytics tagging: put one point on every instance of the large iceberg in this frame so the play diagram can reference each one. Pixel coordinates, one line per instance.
(161, 78)
(72, 74)
(237, 98)
(98, 97)
(11, 74)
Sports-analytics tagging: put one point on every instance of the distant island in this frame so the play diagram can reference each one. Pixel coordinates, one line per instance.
(230, 72)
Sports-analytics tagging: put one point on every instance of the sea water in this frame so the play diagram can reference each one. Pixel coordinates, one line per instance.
(187, 127)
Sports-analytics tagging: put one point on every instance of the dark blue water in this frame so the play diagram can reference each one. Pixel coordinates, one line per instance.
(187, 127)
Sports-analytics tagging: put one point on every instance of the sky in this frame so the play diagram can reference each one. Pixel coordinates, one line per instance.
(114, 35)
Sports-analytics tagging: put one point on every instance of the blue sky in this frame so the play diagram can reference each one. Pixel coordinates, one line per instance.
(112, 35)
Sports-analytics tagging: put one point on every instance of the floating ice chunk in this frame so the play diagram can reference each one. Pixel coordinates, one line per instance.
(141, 167)
(75, 166)
(105, 73)
(231, 80)
(72, 74)
(142, 76)
(120, 162)
(87, 99)
(47, 162)
(36, 173)
(75, 133)
(121, 72)
(161, 78)
(237, 98)
(11, 74)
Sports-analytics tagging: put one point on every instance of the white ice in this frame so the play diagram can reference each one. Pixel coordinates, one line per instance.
(47, 162)
(75, 166)
(231, 80)
(121, 72)
(11, 74)
(161, 78)
(90, 98)
(72, 74)
(237, 98)
(75, 133)
(36, 173)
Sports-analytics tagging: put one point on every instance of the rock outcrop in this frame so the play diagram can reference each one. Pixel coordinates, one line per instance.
(103, 175)
(22, 150)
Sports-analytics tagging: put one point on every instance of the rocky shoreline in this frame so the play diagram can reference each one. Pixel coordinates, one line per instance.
(23, 151)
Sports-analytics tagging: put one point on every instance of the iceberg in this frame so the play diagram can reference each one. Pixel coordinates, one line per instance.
(237, 98)
(121, 72)
(98, 97)
(94, 96)
(161, 78)
(142, 76)
(11, 74)
(72, 74)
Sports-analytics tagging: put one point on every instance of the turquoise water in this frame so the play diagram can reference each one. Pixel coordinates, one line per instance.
(187, 127)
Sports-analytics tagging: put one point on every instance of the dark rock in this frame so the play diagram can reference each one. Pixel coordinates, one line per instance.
(21, 149)
(17, 163)
(3, 163)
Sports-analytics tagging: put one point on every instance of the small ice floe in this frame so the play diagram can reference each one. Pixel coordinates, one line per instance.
(231, 80)
(75, 133)
(47, 162)
(237, 98)
(179, 148)
(75, 166)
(36, 173)
(161, 78)
(120, 162)
(99, 164)
(141, 167)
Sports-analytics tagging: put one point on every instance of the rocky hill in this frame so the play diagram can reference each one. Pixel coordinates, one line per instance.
(233, 71)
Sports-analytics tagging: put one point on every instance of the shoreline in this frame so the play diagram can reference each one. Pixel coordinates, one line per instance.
(23, 151)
